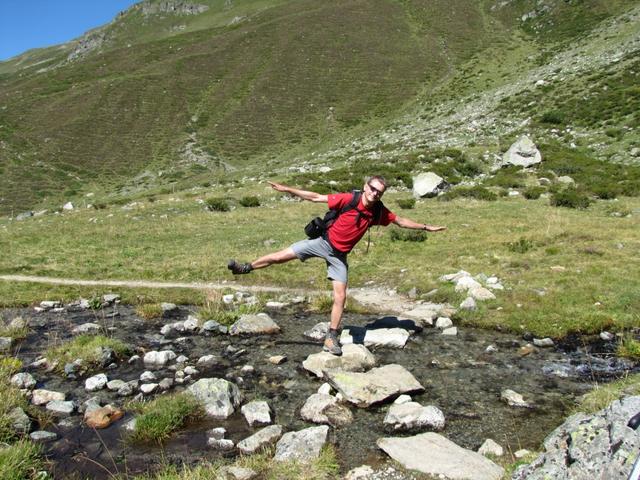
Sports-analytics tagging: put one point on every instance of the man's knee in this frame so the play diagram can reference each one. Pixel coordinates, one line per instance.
(340, 294)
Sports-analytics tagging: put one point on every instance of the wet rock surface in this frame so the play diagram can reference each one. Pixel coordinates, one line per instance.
(463, 376)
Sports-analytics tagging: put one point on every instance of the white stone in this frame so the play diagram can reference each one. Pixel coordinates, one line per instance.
(513, 399)
(61, 408)
(523, 153)
(410, 415)
(159, 359)
(256, 413)
(443, 322)
(148, 388)
(325, 389)
(97, 382)
(427, 184)
(207, 361)
(451, 331)
(262, 438)
(468, 304)
(23, 380)
(302, 446)
(490, 447)
(147, 376)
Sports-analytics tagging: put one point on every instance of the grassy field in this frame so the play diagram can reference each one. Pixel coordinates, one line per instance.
(564, 270)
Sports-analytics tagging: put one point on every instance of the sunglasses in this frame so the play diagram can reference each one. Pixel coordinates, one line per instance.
(375, 190)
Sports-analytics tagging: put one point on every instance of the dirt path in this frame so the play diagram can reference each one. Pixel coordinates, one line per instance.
(378, 298)
(150, 284)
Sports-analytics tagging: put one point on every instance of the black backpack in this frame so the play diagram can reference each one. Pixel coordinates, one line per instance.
(318, 226)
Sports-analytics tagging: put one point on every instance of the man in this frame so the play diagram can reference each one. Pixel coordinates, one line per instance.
(337, 242)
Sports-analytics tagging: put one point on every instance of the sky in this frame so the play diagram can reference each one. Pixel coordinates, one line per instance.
(26, 24)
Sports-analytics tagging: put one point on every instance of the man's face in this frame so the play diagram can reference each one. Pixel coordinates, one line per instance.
(373, 189)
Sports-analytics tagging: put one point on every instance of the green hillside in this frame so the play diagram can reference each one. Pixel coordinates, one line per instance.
(160, 100)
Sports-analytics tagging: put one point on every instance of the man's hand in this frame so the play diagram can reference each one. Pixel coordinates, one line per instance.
(278, 186)
(434, 228)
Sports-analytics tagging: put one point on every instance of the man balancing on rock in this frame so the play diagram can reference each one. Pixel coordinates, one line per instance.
(353, 214)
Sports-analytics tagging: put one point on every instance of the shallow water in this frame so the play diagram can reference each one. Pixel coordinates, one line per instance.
(459, 377)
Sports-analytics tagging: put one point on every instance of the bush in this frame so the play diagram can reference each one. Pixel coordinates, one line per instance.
(88, 348)
(570, 198)
(606, 192)
(553, 117)
(533, 193)
(407, 235)
(407, 203)
(218, 204)
(629, 348)
(478, 192)
(250, 202)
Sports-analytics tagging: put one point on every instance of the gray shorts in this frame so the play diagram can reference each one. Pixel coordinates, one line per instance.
(337, 267)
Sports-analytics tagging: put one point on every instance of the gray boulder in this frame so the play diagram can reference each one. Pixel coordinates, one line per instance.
(262, 438)
(219, 397)
(375, 386)
(600, 445)
(254, 324)
(97, 382)
(523, 153)
(427, 185)
(301, 446)
(435, 455)
(61, 408)
(42, 436)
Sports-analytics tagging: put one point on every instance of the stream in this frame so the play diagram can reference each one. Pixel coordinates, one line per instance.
(461, 376)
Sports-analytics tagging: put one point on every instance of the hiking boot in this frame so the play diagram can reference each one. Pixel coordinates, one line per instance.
(332, 344)
(239, 268)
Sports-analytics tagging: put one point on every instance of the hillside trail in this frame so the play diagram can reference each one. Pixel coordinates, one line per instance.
(377, 298)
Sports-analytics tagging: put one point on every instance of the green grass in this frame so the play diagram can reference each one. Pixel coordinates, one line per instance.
(629, 348)
(149, 311)
(87, 348)
(161, 417)
(194, 245)
(21, 460)
(325, 467)
(603, 394)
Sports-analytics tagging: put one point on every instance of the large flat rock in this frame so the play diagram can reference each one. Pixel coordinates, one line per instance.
(435, 455)
(375, 386)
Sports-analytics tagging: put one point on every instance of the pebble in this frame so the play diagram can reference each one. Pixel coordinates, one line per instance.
(42, 436)
(278, 359)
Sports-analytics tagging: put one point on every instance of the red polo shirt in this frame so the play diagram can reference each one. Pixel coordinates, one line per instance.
(350, 226)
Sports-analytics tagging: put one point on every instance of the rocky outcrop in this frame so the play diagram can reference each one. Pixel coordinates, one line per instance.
(174, 7)
(601, 445)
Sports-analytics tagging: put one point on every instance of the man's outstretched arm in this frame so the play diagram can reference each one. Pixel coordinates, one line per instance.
(303, 194)
(406, 223)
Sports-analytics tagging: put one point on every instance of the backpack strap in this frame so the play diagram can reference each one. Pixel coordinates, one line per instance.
(353, 204)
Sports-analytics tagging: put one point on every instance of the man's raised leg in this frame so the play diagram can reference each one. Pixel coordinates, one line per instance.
(277, 257)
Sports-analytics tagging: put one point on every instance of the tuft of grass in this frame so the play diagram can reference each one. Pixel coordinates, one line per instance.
(217, 204)
(20, 461)
(250, 201)
(225, 314)
(10, 398)
(603, 394)
(321, 303)
(161, 417)
(522, 245)
(87, 348)
(402, 235)
(149, 311)
(629, 347)
(406, 203)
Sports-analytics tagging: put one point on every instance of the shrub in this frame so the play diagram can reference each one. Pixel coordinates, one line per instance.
(478, 192)
(553, 117)
(533, 193)
(218, 204)
(250, 202)
(403, 235)
(606, 191)
(406, 203)
(163, 416)
(570, 198)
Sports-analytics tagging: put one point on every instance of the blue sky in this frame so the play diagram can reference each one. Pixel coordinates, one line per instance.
(26, 24)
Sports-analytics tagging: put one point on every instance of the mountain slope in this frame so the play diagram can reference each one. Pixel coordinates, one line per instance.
(173, 92)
